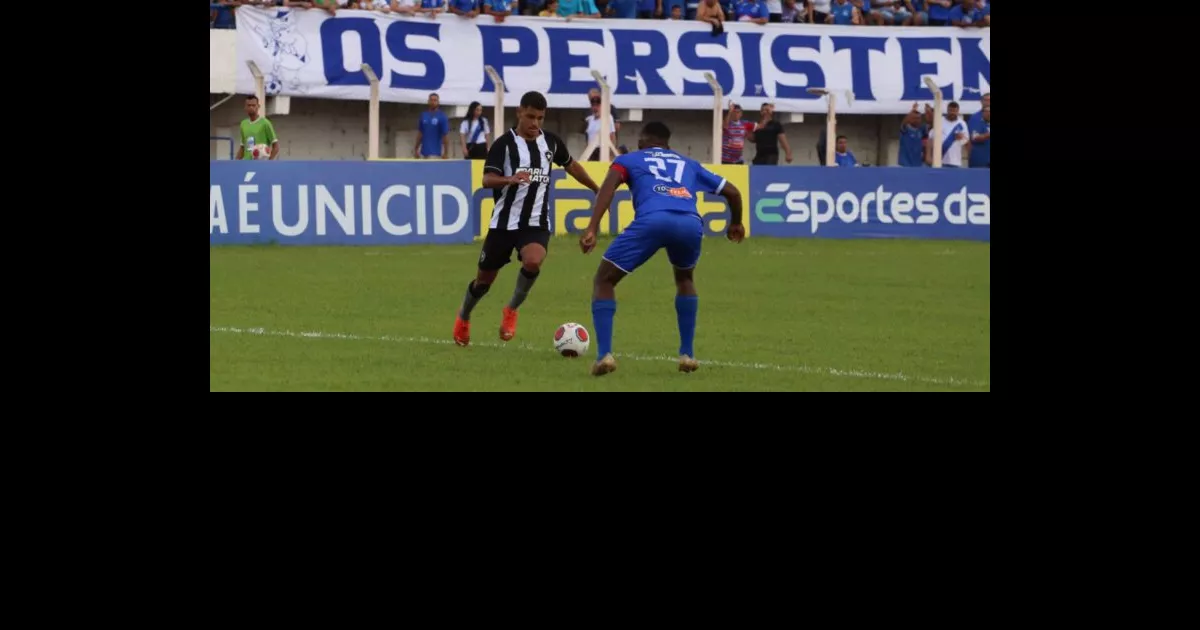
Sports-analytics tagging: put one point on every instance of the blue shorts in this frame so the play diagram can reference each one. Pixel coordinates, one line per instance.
(681, 233)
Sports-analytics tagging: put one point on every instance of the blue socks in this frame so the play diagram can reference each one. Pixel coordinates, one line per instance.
(602, 320)
(685, 313)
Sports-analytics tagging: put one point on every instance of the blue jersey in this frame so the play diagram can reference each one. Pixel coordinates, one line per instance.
(912, 149)
(981, 152)
(662, 180)
(434, 126)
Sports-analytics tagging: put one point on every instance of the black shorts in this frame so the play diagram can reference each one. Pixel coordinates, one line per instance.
(499, 244)
(763, 158)
(477, 151)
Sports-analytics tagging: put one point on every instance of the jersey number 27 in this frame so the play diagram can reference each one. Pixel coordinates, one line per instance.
(658, 167)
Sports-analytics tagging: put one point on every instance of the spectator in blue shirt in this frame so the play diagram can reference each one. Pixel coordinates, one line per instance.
(844, 13)
(465, 8)
(842, 155)
(939, 12)
(647, 9)
(966, 15)
(220, 14)
(498, 9)
(980, 129)
(752, 11)
(432, 8)
(913, 134)
(623, 9)
(578, 9)
(433, 132)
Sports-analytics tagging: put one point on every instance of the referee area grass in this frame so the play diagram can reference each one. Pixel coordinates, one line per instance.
(775, 315)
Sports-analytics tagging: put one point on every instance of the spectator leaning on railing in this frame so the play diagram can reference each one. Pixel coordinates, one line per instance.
(499, 9)
(939, 12)
(819, 11)
(710, 11)
(968, 15)
(465, 8)
(752, 11)
(843, 13)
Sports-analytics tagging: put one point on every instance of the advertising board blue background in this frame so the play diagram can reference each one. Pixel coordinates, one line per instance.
(340, 203)
(820, 202)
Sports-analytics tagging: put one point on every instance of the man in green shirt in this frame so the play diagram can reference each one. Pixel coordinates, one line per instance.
(256, 131)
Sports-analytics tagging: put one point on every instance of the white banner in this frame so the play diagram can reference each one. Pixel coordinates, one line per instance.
(651, 64)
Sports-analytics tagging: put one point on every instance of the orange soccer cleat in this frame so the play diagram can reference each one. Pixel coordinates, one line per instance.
(462, 331)
(508, 325)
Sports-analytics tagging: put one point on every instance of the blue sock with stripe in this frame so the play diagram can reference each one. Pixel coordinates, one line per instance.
(685, 314)
(602, 321)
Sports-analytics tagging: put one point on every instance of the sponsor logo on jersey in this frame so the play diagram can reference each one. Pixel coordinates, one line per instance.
(675, 191)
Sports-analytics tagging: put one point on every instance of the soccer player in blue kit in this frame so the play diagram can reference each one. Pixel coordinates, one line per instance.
(664, 186)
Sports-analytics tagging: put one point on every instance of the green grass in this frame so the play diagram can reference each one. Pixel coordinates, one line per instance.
(775, 315)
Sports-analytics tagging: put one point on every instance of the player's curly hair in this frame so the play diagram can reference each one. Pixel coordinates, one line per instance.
(533, 99)
(656, 131)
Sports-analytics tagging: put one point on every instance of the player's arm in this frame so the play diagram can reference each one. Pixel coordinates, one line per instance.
(493, 168)
(446, 139)
(417, 146)
(273, 139)
(576, 170)
(604, 196)
(709, 182)
(787, 148)
(562, 157)
(978, 134)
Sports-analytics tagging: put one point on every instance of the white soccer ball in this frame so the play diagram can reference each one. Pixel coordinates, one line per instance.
(260, 152)
(571, 340)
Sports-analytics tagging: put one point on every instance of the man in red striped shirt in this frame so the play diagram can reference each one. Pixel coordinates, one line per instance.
(733, 135)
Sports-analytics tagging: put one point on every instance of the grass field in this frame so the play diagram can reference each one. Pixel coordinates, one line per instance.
(775, 315)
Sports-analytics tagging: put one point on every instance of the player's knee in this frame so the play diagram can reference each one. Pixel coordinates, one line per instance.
(532, 265)
(485, 278)
(684, 282)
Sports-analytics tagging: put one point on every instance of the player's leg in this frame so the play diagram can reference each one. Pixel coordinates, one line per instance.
(630, 250)
(604, 308)
(683, 250)
(531, 251)
(497, 250)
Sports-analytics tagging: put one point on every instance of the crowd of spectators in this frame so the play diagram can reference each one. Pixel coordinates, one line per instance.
(961, 13)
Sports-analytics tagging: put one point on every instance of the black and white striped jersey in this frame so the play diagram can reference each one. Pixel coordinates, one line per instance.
(524, 205)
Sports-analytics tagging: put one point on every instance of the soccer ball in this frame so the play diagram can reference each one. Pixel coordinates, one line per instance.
(571, 340)
(260, 152)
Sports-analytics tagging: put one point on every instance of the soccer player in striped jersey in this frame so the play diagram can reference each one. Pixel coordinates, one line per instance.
(517, 169)
(664, 186)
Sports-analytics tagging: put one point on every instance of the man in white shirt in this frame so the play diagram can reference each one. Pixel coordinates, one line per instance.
(593, 128)
(818, 11)
(954, 136)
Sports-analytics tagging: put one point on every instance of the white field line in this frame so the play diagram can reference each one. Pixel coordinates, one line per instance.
(882, 376)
